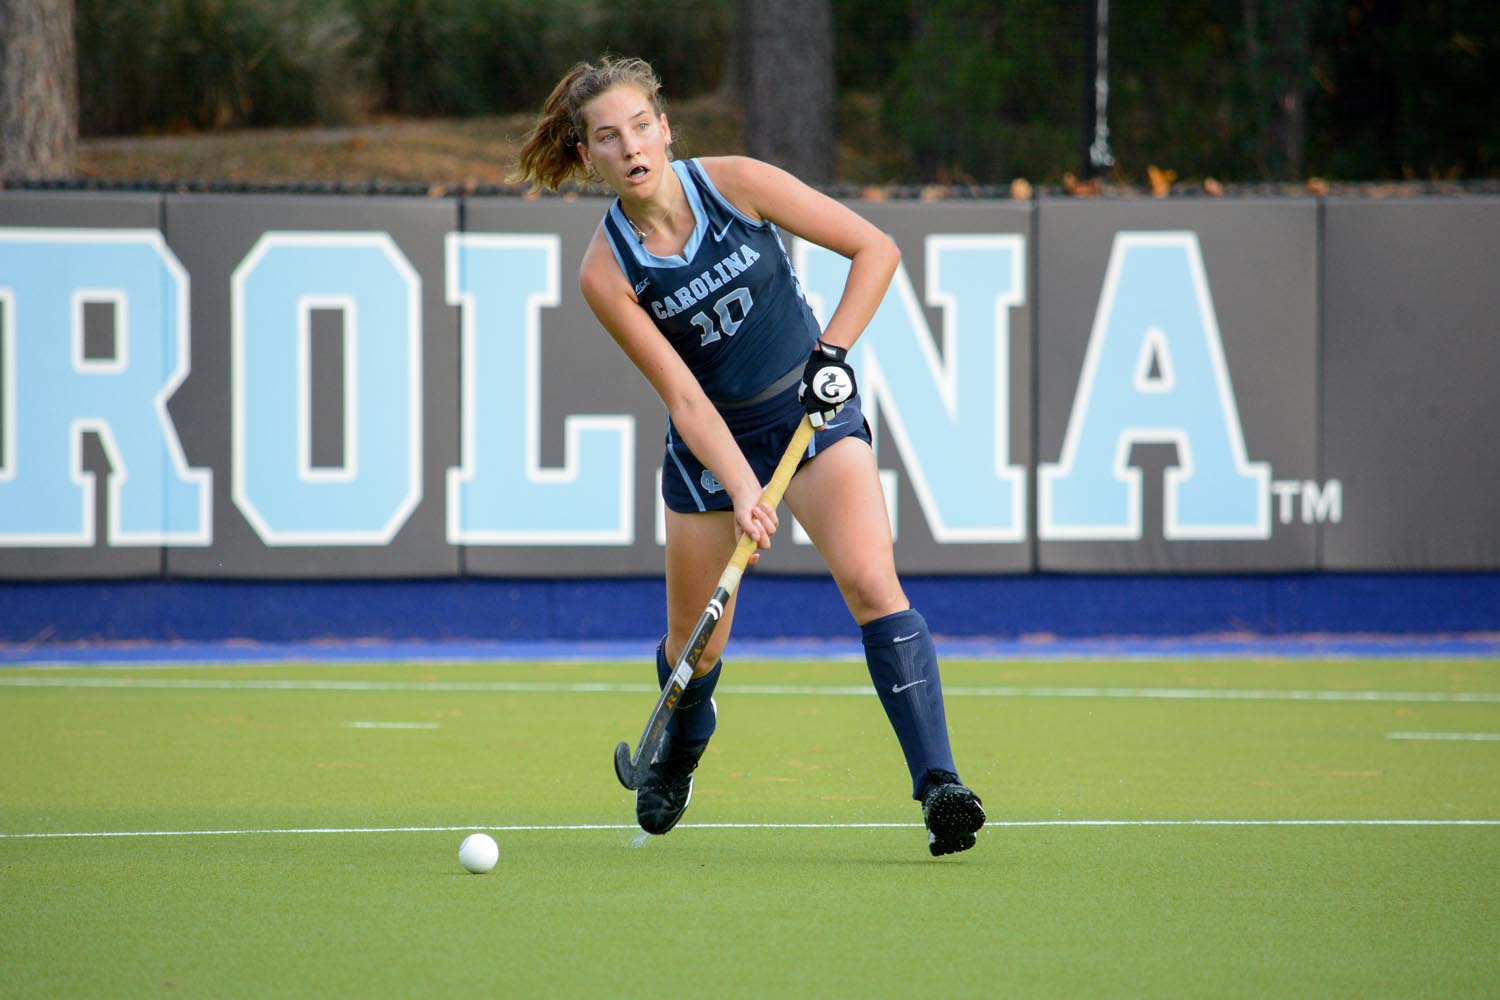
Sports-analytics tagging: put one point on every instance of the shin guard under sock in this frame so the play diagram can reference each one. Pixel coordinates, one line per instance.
(695, 718)
(903, 666)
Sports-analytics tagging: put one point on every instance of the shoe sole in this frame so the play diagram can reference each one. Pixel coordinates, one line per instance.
(952, 821)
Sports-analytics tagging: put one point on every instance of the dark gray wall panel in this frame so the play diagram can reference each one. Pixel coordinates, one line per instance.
(213, 236)
(922, 230)
(1260, 262)
(1411, 361)
(582, 374)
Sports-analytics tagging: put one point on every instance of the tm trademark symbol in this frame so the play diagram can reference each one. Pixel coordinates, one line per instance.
(1319, 503)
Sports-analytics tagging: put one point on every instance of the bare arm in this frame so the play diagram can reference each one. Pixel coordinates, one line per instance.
(609, 295)
(767, 192)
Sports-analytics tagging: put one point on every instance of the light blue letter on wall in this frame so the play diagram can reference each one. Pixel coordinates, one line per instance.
(501, 495)
(1154, 373)
(949, 415)
(367, 278)
(54, 392)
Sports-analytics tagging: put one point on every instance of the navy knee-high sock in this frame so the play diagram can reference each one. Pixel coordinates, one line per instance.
(694, 721)
(904, 668)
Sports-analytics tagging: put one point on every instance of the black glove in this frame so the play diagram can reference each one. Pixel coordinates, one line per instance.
(827, 383)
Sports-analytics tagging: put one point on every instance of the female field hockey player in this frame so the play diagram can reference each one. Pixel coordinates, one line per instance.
(688, 274)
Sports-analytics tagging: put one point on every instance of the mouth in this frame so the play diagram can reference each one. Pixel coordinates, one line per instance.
(639, 170)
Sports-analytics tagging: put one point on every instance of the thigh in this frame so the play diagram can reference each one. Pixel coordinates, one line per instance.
(699, 546)
(837, 499)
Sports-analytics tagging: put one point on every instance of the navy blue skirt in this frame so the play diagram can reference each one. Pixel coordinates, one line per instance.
(762, 431)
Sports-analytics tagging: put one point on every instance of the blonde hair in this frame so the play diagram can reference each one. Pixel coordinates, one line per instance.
(549, 154)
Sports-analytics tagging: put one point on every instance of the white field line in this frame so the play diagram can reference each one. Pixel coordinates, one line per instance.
(572, 827)
(796, 690)
(1475, 737)
(388, 725)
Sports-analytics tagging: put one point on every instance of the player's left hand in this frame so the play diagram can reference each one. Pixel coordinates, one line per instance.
(827, 383)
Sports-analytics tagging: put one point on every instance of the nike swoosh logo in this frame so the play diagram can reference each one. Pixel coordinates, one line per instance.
(898, 688)
(906, 638)
(719, 236)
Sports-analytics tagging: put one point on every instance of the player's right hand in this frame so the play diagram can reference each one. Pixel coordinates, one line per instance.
(759, 521)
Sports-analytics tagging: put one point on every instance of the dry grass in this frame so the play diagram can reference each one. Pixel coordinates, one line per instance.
(450, 153)
(469, 151)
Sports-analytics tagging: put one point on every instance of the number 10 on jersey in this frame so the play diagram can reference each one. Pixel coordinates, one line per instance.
(728, 322)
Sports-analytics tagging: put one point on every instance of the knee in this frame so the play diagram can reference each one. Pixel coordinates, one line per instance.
(873, 595)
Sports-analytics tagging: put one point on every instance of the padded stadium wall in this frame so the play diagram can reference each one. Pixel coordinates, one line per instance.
(291, 416)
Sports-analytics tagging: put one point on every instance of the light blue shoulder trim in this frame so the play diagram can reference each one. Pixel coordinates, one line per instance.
(611, 238)
(701, 173)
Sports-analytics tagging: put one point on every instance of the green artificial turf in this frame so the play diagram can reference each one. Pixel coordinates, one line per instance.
(284, 842)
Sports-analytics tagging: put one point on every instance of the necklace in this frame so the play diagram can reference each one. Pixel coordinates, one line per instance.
(641, 234)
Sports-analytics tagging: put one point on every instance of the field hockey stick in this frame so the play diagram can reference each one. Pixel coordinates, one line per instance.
(633, 771)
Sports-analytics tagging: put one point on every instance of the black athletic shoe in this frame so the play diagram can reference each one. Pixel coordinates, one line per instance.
(953, 814)
(661, 801)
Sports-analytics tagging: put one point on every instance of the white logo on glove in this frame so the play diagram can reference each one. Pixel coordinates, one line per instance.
(833, 386)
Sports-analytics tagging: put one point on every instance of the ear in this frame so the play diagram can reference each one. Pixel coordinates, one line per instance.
(583, 154)
(666, 128)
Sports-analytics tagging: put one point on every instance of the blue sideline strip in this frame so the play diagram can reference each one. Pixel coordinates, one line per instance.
(1324, 614)
(638, 650)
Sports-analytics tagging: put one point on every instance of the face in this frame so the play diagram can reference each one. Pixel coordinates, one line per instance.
(625, 140)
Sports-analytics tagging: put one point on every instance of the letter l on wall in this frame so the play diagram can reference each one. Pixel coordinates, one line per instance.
(501, 494)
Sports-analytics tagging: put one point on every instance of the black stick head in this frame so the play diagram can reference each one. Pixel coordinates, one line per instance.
(625, 767)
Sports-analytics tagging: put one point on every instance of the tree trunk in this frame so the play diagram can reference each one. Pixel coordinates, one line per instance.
(788, 85)
(38, 89)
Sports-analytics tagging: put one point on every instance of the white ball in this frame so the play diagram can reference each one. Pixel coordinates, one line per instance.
(479, 853)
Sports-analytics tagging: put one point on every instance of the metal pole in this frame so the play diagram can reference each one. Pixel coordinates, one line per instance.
(1097, 156)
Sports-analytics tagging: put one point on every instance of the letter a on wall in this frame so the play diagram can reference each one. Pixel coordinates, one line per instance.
(1154, 373)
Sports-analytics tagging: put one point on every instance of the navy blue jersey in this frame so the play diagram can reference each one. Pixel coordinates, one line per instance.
(730, 303)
